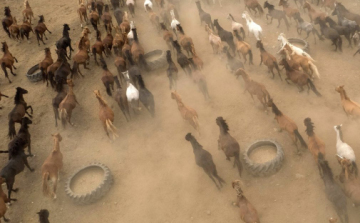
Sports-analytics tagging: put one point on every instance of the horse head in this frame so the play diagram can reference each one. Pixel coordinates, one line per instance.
(20, 90)
(57, 136)
(66, 27)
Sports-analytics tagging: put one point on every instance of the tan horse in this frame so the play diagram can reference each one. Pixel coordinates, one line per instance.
(106, 116)
(82, 14)
(228, 144)
(286, 123)
(350, 107)
(67, 105)
(243, 47)
(313, 14)
(185, 41)
(44, 64)
(254, 88)
(7, 60)
(350, 180)
(187, 113)
(27, 12)
(268, 59)
(215, 41)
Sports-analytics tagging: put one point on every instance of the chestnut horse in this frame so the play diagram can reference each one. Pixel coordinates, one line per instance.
(7, 21)
(7, 61)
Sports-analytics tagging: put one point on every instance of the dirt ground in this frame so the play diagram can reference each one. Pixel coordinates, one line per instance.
(156, 178)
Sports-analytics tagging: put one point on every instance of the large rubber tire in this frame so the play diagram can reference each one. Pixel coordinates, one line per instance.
(264, 169)
(304, 43)
(157, 63)
(97, 193)
(34, 74)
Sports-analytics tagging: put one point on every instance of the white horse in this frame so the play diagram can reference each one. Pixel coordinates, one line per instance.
(295, 49)
(130, 35)
(252, 26)
(235, 25)
(174, 21)
(343, 149)
(132, 94)
(148, 3)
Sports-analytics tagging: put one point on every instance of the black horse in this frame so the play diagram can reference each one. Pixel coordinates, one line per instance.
(330, 33)
(275, 14)
(225, 36)
(64, 42)
(146, 97)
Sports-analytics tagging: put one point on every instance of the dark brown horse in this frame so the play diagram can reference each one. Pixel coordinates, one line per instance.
(7, 61)
(40, 30)
(228, 144)
(7, 21)
(19, 111)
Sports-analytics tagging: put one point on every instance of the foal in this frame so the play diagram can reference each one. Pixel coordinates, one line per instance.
(7, 60)
(228, 144)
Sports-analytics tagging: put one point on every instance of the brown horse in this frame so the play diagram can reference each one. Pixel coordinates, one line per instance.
(187, 113)
(25, 29)
(82, 14)
(81, 57)
(346, 13)
(268, 59)
(313, 14)
(125, 25)
(185, 41)
(350, 181)
(85, 33)
(315, 145)
(43, 65)
(228, 144)
(107, 19)
(19, 111)
(243, 47)
(14, 30)
(137, 52)
(94, 16)
(106, 116)
(53, 67)
(286, 123)
(7, 60)
(98, 47)
(290, 12)
(40, 30)
(254, 88)
(67, 105)
(254, 5)
(27, 12)
(350, 107)
(108, 43)
(167, 36)
(7, 21)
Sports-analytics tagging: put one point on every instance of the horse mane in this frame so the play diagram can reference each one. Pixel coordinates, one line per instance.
(41, 20)
(65, 31)
(177, 46)
(338, 127)
(309, 127)
(261, 45)
(18, 96)
(223, 124)
(106, 8)
(216, 23)
(268, 5)
(345, 95)
(81, 43)
(135, 35)
(342, 6)
(275, 109)
(180, 29)
(330, 20)
(141, 82)
(163, 27)
(168, 56)
(7, 11)
(101, 100)
(3, 48)
(237, 35)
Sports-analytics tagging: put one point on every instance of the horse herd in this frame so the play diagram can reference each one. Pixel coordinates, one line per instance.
(131, 90)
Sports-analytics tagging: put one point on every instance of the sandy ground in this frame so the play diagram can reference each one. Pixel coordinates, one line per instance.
(156, 178)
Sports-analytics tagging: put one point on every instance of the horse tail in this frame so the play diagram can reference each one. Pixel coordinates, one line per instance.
(238, 162)
(354, 165)
(318, 34)
(250, 56)
(243, 32)
(297, 134)
(44, 76)
(196, 123)
(63, 115)
(340, 43)
(22, 33)
(313, 88)
(37, 35)
(6, 29)
(110, 127)
(12, 132)
(108, 90)
(267, 95)
(314, 69)
(45, 186)
(143, 62)
(94, 53)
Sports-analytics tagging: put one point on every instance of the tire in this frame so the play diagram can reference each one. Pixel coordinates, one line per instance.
(264, 169)
(34, 74)
(157, 63)
(304, 43)
(97, 193)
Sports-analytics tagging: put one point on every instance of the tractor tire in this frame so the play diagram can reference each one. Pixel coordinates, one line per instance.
(267, 168)
(34, 74)
(158, 60)
(304, 44)
(97, 193)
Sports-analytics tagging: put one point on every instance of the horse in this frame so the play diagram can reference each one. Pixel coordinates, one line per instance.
(137, 52)
(121, 99)
(23, 136)
(14, 30)
(44, 64)
(182, 60)
(253, 5)
(172, 71)
(64, 42)
(63, 71)
(168, 37)
(187, 113)
(199, 79)
(228, 144)
(132, 93)
(275, 14)
(215, 41)
(94, 16)
(61, 94)
(350, 107)
(350, 180)
(53, 67)
(107, 19)
(243, 47)
(107, 78)
(268, 59)
(307, 27)
(185, 41)
(295, 50)
(254, 28)
(290, 12)
(40, 30)
(330, 33)
(315, 145)
(285, 123)
(106, 116)
(7, 21)
(146, 97)
(82, 14)
(342, 30)
(98, 47)
(81, 57)
(346, 22)
(313, 14)
(299, 78)
(25, 30)
(254, 88)
(235, 26)
(7, 61)
(204, 16)
(225, 36)
(346, 13)
(68, 104)
(19, 111)
(27, 12)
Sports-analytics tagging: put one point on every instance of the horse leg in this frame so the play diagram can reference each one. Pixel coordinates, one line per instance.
(10, 185)
(44, 36)
(272, 71)
(211, 177)
(12, 71)
(30, 108)
(27, 164)
(279, 21)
